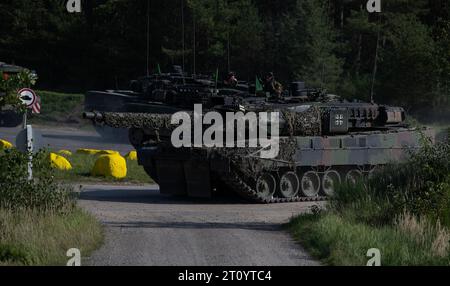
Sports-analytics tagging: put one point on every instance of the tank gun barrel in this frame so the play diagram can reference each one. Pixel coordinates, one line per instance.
(131, 120)
(291, 123)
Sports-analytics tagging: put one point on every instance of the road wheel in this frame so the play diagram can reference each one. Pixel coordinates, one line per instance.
(330, 180)
(289, 185)
(353, 176)
(266, 186)
(310, 184)
(373, 171)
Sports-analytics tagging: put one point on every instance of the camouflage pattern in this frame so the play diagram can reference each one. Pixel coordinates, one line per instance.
(323, 142)
(307, 154)
(362, 149)
(138, 120)
(292, 123)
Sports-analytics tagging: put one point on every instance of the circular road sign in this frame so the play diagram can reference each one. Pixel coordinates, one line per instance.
(27, 96)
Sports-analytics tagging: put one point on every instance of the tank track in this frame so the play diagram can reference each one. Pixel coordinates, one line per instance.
(234, 181)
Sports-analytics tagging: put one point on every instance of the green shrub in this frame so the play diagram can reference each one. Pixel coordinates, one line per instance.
(420, 187)
(13, 254)
(11, 84)
(41, 193)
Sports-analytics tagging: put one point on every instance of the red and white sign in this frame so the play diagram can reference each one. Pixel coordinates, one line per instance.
(30, 99)
(36, 107)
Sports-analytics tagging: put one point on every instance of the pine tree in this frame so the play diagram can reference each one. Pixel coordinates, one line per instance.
(309, 44)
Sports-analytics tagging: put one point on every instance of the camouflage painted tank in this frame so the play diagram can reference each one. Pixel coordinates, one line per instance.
(323, 141)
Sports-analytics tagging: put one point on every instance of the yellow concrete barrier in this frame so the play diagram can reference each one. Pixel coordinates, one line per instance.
(131, 156)
(65, 153)
(108, 152)
(110, 166)
(97, 152)
(88, 151)
(5, 144)
(59, 162)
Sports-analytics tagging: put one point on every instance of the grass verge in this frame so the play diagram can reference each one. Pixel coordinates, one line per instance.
(83, 164)
(35, 238)
(340, 241)
(57, 108)
(39, 217)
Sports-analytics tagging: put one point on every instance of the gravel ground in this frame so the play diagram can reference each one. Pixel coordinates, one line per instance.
(146, 228)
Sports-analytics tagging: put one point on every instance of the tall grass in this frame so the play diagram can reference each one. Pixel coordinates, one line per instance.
(32, 237)
(338, 240)
(42, 193)
(403, 210)
(420, 187)
(39, 219)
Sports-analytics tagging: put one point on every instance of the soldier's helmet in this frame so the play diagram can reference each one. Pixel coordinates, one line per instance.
(269, 76)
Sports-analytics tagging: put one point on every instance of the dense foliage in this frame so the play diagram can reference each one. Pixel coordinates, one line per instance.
(403, 210)
(11, 84)
(419, 187)
(42, 193)
(332, 44)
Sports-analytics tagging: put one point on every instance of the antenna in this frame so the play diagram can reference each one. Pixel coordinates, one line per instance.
(194, 48)
(148, 38)
(182, 31)
(375, 65)
(228, 51)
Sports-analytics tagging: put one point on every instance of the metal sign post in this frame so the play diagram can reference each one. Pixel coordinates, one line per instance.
(26, 139)
(25, 142)
(28, 97)
(30, 151)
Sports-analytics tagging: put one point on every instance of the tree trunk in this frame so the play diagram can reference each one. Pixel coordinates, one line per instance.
(375, 64)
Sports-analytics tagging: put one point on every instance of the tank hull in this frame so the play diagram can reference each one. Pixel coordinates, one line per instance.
(199, 172)
(10, 118)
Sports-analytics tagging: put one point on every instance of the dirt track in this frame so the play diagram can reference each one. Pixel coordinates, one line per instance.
(145, 228)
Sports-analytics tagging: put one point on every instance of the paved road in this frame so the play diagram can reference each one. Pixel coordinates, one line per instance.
(57, 138)
(146, 228)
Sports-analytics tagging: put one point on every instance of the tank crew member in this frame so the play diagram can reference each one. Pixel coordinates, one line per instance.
(273, 87)
(231, 80)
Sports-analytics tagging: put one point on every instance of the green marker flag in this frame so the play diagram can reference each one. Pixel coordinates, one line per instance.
(159, 70)
(258, 85)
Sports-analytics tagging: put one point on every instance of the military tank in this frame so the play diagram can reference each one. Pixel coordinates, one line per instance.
(323, 140)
